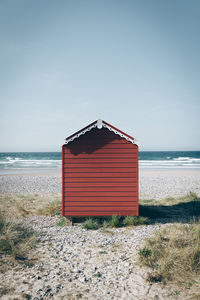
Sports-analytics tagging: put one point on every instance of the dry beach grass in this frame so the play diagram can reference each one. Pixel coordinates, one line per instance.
(173, 254)
(16, 239)
(26, 205)
(75, 262)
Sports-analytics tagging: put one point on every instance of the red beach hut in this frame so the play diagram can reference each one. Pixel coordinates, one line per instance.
(99, 172)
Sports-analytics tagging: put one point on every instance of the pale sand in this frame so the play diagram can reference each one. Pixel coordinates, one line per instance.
(142, 171)
(178, 172)
(162, 183)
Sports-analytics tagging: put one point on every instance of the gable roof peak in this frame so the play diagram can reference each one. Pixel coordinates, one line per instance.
(99, 124)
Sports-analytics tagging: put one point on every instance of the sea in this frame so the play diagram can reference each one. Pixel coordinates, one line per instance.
(26, 162)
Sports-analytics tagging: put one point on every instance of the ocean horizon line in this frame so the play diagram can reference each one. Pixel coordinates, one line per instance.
(60, 151)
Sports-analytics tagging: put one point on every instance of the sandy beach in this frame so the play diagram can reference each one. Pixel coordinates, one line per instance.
(162, 183)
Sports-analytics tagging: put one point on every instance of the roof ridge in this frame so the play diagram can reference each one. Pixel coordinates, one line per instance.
(99, 124)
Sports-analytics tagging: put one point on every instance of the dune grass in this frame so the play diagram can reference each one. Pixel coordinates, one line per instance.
(23, 206)
(173, 255)
(52, 208)
(16, 239)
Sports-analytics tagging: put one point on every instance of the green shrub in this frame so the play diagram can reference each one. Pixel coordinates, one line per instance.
(91, 224)
(98, 275)
(145, 252)
(2, 222)
(133, 220)
(115, 221)
(62, 222)
(103, 252)
(106, 223)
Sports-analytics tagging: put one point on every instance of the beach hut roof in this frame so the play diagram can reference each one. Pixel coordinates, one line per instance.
(99, 124)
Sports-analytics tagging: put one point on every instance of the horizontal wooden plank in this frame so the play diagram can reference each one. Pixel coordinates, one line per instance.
(102, 198)
(115, 180)
(132, 212)
(100, 204)
(100, 151)
(100, 165)
(100, 175)
(99, 170)
(105, 184)
(101, 208)
(69, 188)
(77, 160)
(100, 194)
(100, 155)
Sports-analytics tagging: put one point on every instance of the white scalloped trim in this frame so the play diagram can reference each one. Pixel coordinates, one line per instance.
(80, 133)
(119, 133)
(95, 126)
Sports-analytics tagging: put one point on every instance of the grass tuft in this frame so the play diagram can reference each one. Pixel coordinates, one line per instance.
(23, 206)
(115, 221)
(16, 239)
(5, 289)
(53, 208)
(98, 275)
(91, 224)
(106, 223)
(145, 252)
(174, 255)
(62, 222)
(154, 277)
(133, 221)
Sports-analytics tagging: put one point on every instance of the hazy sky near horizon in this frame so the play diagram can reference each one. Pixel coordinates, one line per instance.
(133, 63)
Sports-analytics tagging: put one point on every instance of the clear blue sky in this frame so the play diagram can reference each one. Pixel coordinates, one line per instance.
(135, 64)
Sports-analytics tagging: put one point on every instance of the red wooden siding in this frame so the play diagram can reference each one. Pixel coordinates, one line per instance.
(100, 175)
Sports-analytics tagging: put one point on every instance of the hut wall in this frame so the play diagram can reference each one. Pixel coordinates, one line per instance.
(100, 175)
